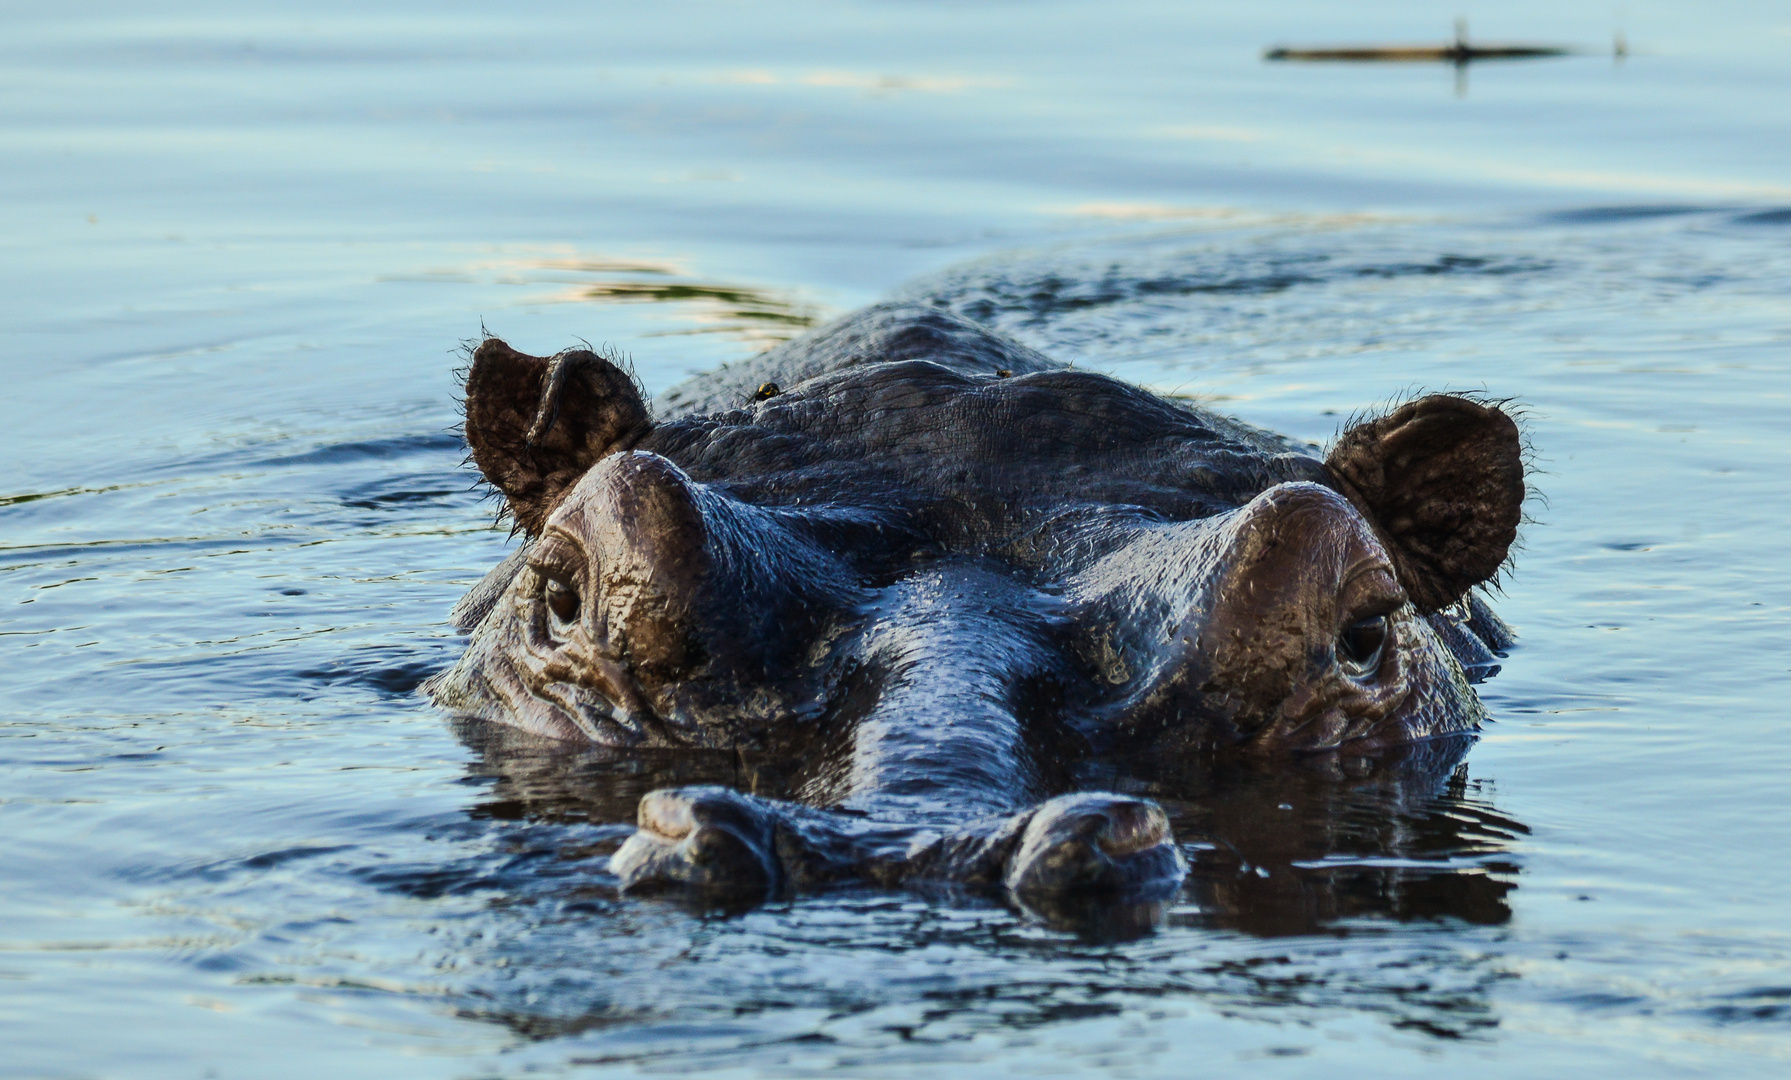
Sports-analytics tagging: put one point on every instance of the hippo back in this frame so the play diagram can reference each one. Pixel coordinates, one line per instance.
(895, 332)
(875, 335)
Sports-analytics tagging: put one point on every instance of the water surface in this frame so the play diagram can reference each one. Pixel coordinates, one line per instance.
(243, 245)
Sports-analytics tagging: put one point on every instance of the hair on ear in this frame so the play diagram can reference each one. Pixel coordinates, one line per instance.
(536, 424)
(1442, 481)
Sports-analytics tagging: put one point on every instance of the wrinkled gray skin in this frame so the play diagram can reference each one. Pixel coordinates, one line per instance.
(940, 572)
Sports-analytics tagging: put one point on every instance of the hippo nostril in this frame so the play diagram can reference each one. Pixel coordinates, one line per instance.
(716, 847)
(706, 837)
(1131, 827)
(1094, 841)
(666, 813)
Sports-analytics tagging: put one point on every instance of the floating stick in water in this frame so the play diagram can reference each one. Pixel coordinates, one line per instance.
(1459, 51)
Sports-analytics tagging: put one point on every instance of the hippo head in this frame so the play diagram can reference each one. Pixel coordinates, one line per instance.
(1321, 606)
(949, 584)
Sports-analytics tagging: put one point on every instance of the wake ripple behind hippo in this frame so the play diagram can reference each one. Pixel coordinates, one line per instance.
(937, 571)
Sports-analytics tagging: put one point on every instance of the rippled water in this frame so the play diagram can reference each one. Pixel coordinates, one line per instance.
(243, 245)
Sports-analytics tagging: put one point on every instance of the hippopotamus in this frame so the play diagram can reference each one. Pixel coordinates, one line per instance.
(943, 578)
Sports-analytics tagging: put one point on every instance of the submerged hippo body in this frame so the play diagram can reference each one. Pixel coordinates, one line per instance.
(942, 575)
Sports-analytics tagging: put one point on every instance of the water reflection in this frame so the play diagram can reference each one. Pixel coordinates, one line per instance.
(546, 780)
(1281, 848)
(737, 311)
(761, 316)
(1397, 853)
(1312, 844)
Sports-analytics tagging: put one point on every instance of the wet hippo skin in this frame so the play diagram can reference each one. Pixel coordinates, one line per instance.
(938, 575)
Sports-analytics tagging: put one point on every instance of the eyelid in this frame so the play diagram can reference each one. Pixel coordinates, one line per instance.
(555, 560)
(1370, 589)
(1370, 611)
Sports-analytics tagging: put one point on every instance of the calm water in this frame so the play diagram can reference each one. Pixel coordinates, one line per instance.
(241, 246)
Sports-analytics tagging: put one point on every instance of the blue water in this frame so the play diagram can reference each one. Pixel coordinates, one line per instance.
(243, 243)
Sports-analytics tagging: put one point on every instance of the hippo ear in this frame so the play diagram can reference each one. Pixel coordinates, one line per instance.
(1442, 480)
(535, 424)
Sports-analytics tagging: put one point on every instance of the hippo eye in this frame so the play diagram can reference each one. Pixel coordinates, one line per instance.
(562, 598)
(1360, 644)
